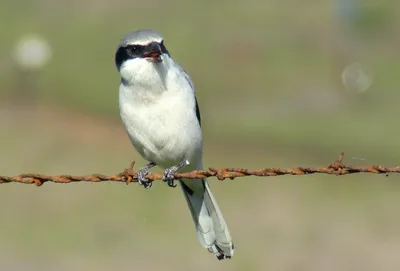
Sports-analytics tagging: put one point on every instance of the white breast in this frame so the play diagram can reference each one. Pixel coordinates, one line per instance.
(157, 106)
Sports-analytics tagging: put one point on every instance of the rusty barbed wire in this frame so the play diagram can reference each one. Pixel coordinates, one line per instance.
(128, 175)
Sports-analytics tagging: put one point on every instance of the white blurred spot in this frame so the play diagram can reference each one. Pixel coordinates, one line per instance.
(32, 52)
(357, 77)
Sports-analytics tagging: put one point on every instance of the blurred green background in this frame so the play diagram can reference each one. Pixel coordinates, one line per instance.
(279, 84)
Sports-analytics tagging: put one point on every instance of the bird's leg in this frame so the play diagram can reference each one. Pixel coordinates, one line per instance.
(169, 173)
(142, 180)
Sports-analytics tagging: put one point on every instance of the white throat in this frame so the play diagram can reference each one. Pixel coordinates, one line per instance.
(147, 81)
(140, 72)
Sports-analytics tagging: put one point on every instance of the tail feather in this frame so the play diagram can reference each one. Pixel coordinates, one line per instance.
(210, 225)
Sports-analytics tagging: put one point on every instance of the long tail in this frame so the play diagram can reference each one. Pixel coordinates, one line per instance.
(210, 225)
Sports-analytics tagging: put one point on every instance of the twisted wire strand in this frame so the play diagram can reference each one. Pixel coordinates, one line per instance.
(129, 175)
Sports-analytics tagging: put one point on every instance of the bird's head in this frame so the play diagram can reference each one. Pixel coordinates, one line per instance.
(139, 52)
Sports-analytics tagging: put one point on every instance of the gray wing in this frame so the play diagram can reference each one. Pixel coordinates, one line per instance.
(195, 99)
(198, 112)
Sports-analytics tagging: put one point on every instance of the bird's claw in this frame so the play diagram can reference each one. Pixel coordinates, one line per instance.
(142, 180)
(169, 177)
(169, 173)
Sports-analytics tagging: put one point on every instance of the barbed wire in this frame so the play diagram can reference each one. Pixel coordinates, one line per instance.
(128, 175)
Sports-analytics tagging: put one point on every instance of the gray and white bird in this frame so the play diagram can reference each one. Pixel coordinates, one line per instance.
(159, 109)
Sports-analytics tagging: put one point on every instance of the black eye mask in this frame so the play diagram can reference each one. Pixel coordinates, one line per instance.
(132, 51)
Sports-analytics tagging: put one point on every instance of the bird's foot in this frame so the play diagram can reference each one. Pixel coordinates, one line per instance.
(142, 180)
(169, 173)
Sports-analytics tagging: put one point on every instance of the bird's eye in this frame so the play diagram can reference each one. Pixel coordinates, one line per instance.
(134, 49)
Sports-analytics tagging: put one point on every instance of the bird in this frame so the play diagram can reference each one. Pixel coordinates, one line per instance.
(160, 113)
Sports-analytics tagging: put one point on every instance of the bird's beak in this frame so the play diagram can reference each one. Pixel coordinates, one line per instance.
(153, 53)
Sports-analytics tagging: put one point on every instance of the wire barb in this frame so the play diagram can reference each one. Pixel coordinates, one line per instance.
(129, 175)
